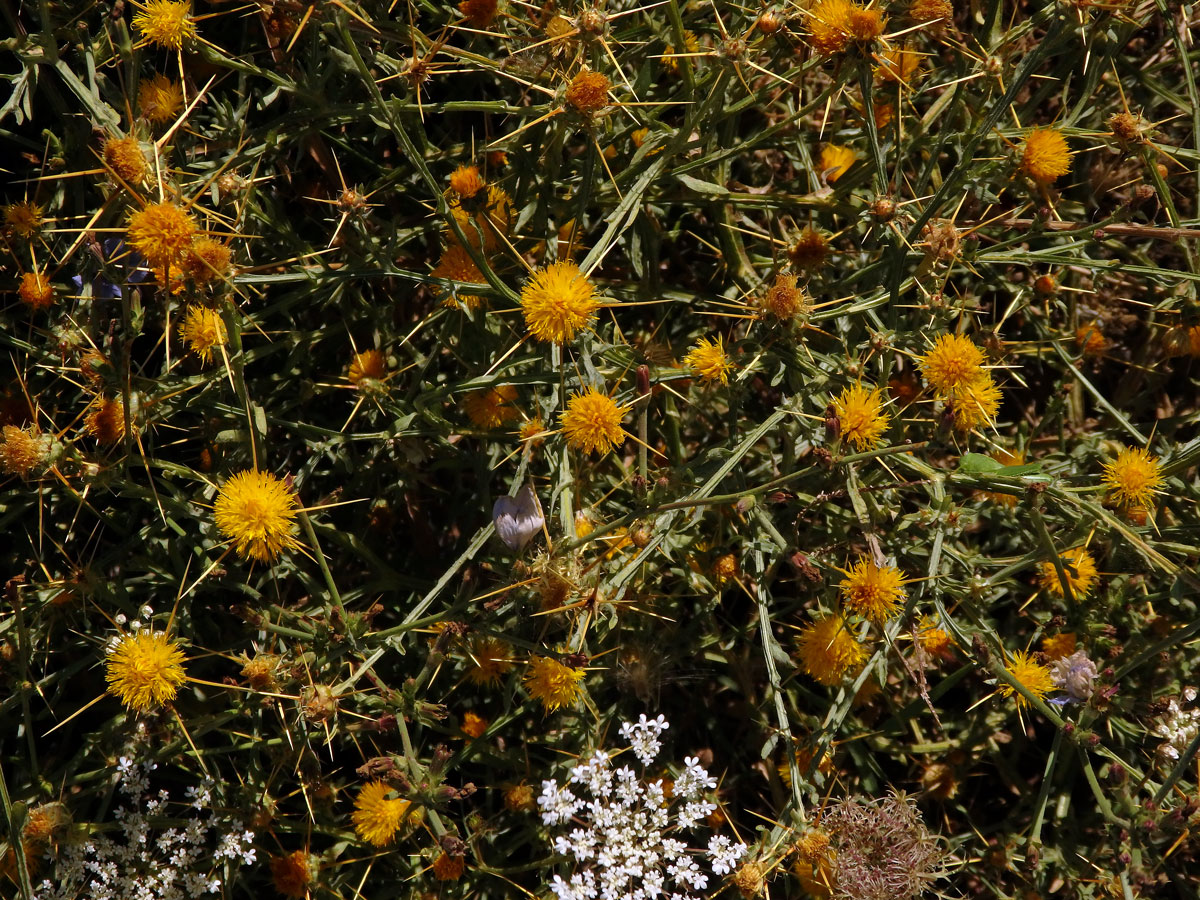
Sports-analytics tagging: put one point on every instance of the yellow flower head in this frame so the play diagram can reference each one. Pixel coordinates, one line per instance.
(934, 640)
(1046, 155)
(467, 182)
(35, 290)
(708, 360)
(938, 13)
(952, 363)
(448, 868)
(809, 250)
(456, 265)
(1059, 646)
(125, 158)
(828, 650)
(162, 233)
(834, 24)
(1133, 478)
(862, 417)
(21, 450)
(873, 592)
(106, 421)
(558, 301)
(553, 684)
(897, 66)
(784, 300)
(160, 99)
(23, 219)
(490, 218)
(489, 660)
(976, 403)
(588, 92)
(592, 422)
(1032, 675)
(367, 369)
(255, 510)
(835, 161)
(473, 726)
(144, 669)
(165, 22)
(491, 407)
(292, 874)
(376, 816)
(206, 261)
(203, 330)
(1078, 566)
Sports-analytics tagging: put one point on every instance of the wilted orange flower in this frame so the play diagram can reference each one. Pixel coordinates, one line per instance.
(1059, 646)
(473, 726)
(456, 265)
(367, 366)
(784, 300)
(292, 874)
(448, 868)
(467, 182)
(106, 421)
(35, 290)
(588, 92)
(21, 449)
(809, 250)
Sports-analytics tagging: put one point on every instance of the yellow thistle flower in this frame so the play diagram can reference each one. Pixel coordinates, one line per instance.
(489, 660)
(532, 431)
(448, 868)
(952, 363)
(862, 416)
(206, 261)
(553, 684)
(159, 98)
(1090, 339)
(22, 450)
(1133, 478)
(473, 726)
(456, 265)
(934, 640)
(1059, 646)
(467, 182)
(144, 669)
(834, 24)
(125, 159)
(558, 301)
(367, 369)
(938, 13)
(255, 510)
(203, 330)
(828, 650)
(809, 250)
(897, 66)
(1046, 155)
(784, 300)
(588, 92)
(489, 408)
(1080, 569)
(35, 290)
(292, 874)
(23, 219)
(376, 816)
(873, 592)
(835, 161)
(162, 233)
(165, 22)
(1032, 675)
(592, 422)
(106, 421)
(490, 218)
(976, 403)
(708, 360)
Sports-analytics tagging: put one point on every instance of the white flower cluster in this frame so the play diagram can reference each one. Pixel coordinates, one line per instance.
(1179, 726)
(144, 862)
(621, 840)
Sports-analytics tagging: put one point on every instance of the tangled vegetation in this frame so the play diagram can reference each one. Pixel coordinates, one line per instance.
(404, 399)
